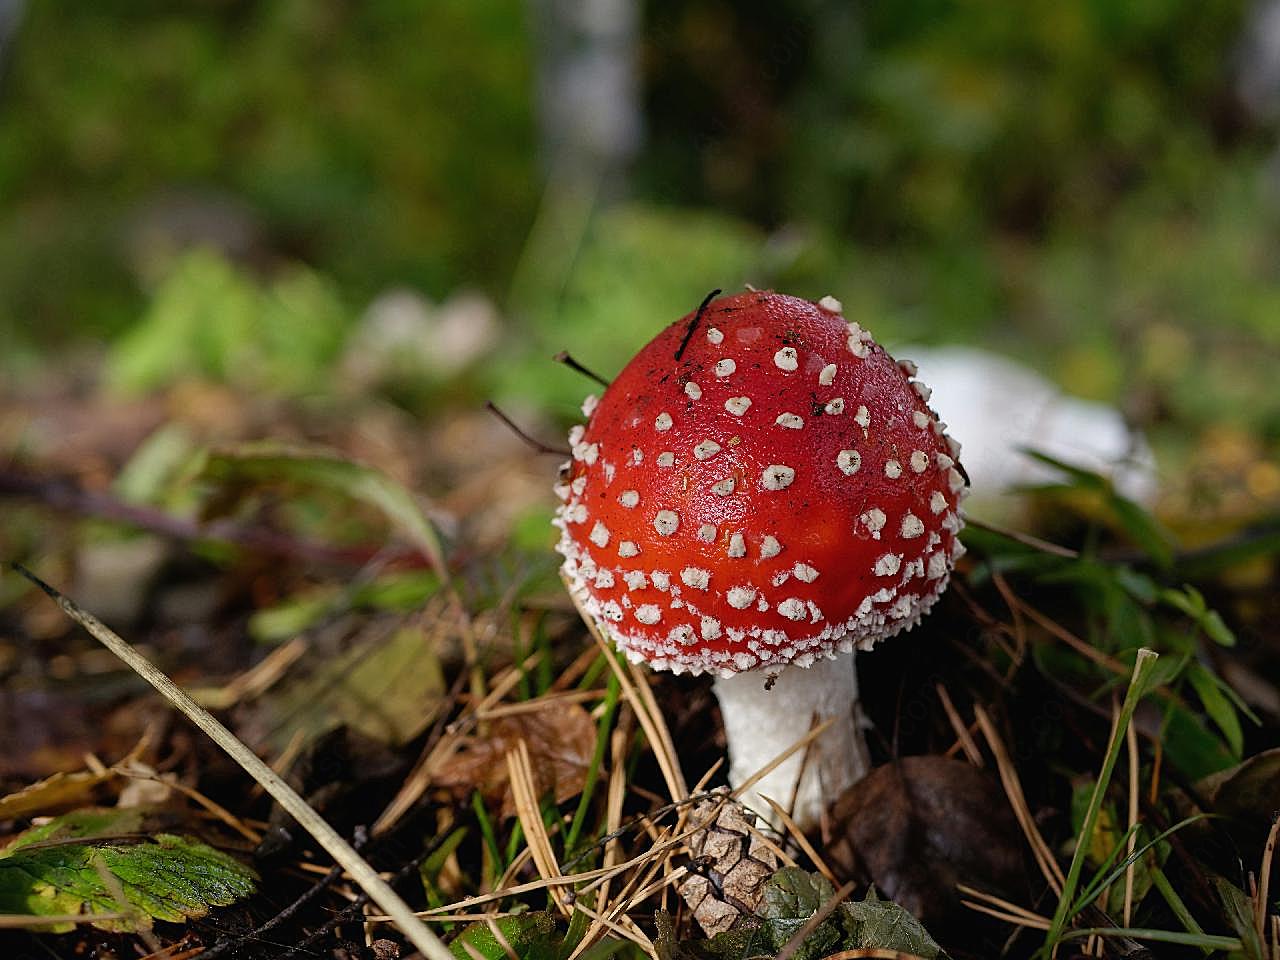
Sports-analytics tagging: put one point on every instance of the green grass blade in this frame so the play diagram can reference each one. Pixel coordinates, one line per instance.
(611, 697)
(1138, 686)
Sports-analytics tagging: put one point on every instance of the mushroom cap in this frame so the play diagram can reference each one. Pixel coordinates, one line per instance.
(781, 492)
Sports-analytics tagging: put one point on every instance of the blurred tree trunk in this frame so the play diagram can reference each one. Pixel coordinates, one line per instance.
(589, 110)
(10, 18)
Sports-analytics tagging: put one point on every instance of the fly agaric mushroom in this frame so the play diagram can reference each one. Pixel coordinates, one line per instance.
(760, 492)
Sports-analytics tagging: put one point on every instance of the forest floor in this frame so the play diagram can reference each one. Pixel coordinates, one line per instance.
(373, 606)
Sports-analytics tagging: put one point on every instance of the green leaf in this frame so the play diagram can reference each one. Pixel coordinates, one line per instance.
(1143, 529)
(200, 322)
(1139, 585)
(792, 894)
(1191, 746)
(1080, 477)
(531, 935)
(885, 925)
(1239, 912)
(1139, 685)
(210, 320)
(1217, 630)
(57, 869)
(1235, 551)
(1220, 709)
(295, 615)
(402, 591)
(1168, 668)
(1191, 601)
(608, 947)
(269, 462)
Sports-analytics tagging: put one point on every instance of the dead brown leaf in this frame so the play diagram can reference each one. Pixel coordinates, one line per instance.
(62, 791)
(917, 827)
(560, 740)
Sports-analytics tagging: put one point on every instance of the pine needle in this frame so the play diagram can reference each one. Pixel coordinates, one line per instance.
(525, 794)
(963, 736)
(1018, 801)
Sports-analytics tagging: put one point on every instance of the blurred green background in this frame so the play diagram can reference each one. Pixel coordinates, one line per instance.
(222, 192)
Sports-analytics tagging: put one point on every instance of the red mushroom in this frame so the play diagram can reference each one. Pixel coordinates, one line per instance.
(763, 487)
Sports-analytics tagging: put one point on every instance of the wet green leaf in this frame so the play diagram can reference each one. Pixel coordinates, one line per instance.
(58, 869)
(531, 935)
(793, 893)
(885, 925)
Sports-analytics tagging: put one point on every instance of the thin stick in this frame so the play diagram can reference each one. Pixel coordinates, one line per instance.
(635, 936)
(537, 445)
(131, 913)
(688, 334)
(568, 880)
(1026, 539)
(439, 753)
(1019, 627)
(255, 681)
(547, 701)
(1016, 919)
(127, 769)
(771, 842)
(564, 357)
(355, 865)
(67, 496)
(499, 936)
(1071, 640)
(613, 820)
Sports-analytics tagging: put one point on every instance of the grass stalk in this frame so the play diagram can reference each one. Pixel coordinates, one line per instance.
(1143, 667)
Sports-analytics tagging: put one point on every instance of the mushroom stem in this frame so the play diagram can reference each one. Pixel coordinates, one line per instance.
(760, 724)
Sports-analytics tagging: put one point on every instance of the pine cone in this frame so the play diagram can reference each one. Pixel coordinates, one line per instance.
(730, 864)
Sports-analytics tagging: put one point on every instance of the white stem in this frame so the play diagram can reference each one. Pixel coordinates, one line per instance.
(760, 724)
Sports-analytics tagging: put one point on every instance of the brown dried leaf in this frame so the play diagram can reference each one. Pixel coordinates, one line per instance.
(917, 827)
(53, 794)
(1245, 794)
(388, 687)
(560, 739)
